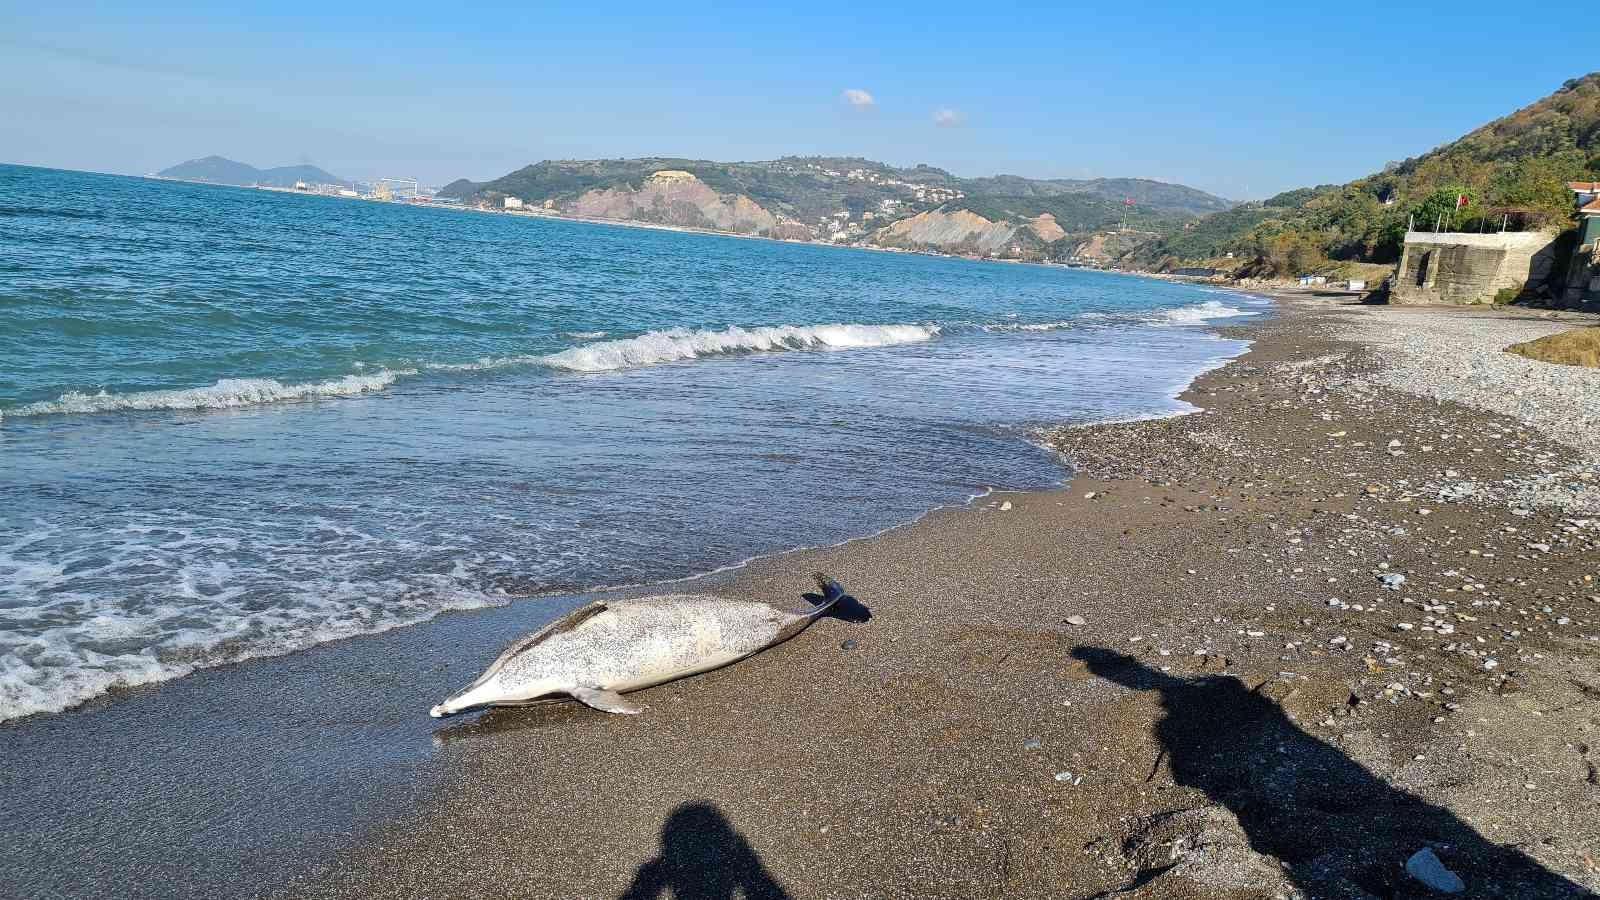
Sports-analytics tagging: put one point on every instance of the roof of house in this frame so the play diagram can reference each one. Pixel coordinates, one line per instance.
(1592, 208)
(1584, 187)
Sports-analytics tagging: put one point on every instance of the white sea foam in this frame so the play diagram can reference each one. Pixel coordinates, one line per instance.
(183, 600)
(678, 344)
(651, 348)
(1034, 326)
(229, 393)
(1199, 313)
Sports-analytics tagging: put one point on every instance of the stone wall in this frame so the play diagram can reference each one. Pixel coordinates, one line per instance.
(1458, 268)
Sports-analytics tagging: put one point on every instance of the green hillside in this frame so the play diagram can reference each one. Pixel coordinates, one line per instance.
(810, 188)
(1513, 169)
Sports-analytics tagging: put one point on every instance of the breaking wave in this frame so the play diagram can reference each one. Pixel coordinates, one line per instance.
(648, 349)
(679, 344)
(1036, 326)
(1199, 313)
(651, 348)
(228, 393)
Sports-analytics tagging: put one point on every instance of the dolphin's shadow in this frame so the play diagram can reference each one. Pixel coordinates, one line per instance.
(498, 720)
(1338, 829)
(847, 609)
(703, 858)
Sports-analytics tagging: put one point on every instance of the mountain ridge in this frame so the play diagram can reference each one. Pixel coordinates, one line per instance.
(846, 199)
(221, 170)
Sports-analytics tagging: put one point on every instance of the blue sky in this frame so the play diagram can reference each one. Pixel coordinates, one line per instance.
(1240, 99)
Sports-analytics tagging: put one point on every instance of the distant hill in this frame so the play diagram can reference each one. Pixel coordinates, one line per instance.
(1513, 169)
(220, 170)
(849, 200)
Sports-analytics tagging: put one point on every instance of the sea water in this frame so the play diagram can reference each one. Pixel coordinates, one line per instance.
(237, 423)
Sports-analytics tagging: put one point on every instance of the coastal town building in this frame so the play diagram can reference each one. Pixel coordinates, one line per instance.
(1583, 271)
(513, 202)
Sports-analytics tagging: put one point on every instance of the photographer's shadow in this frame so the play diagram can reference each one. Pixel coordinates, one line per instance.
(1338, 829)
(703, 858)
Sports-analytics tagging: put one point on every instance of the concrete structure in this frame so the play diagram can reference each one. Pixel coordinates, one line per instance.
(1583, 272)
(1459, 268)
(513, 202)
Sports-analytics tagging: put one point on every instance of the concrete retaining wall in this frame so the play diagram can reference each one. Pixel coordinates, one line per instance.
(1458, 268)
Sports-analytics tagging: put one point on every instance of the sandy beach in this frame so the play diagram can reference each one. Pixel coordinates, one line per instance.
(1270, 649)
(1190, 674)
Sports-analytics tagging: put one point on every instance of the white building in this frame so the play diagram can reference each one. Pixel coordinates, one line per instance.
(513, 203)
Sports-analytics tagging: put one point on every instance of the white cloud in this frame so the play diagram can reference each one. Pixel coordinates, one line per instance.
(859, 99)
(947, 118)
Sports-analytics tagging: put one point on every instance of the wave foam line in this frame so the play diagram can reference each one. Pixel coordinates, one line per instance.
(679, 344)
(1200, 312)
(228, 393)
(75, 674)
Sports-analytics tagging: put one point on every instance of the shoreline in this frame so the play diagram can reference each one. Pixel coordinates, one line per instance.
(923, 753)
(244, 654)
(918, 754)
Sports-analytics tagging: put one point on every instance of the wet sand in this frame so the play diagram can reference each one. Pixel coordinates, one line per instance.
(1197, 736)
(1180, 677)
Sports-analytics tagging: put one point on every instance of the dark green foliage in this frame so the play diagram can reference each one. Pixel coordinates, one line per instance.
(1075, 213)
(1513, 170)
(1216, 234)
(1299, 196)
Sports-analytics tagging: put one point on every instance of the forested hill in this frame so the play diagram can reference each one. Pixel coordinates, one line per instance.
(850, 200)
(805, 187)
(1513, 169)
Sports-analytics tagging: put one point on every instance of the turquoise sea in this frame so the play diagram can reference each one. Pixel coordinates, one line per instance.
(236, 423)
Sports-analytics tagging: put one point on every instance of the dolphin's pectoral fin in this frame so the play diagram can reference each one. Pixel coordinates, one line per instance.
(605, 701)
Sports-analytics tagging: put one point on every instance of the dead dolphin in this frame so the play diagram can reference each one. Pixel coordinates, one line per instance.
(596, 653)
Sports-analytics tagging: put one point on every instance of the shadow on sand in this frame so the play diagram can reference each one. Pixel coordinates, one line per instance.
(1339, 830)
(703, 858)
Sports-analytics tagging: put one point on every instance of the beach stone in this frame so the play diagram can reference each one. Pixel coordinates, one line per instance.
(1032, 744)
(1005, 506)
(1077, 620)
(1424, 866)
(848, 644)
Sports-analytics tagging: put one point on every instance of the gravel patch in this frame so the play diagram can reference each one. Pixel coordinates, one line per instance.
(1461, 358)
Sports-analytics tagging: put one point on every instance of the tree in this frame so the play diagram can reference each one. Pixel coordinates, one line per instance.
(1440, 208)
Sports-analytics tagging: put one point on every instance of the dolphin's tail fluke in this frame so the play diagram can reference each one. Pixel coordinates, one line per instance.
(832, 592)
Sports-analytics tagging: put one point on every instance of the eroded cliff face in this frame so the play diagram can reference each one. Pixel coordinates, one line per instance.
(677, 199)
(964, 231)
(1045, 227)
(1111, 247)
(961, 231)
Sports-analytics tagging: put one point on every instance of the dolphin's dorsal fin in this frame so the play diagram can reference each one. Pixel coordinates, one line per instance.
(564, 624)
(605, 701)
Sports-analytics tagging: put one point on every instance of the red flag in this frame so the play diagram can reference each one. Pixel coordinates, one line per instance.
(1128, 202)
(1461, 200)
